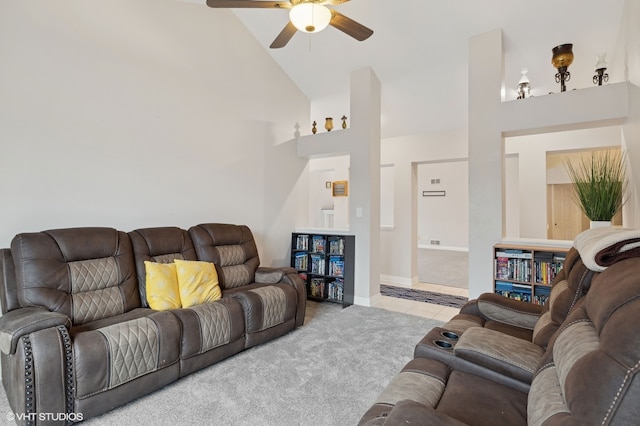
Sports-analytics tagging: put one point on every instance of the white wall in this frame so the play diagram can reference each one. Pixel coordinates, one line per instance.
(398, 248)
(321, 171)
(387, 203)
(145, 113)
(444, 218)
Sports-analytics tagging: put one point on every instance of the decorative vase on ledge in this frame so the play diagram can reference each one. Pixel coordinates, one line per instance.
(599, 224)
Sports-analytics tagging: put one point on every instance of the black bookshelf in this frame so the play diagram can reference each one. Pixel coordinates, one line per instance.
(326, 263)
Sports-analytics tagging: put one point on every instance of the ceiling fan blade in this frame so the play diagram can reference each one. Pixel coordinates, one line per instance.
(284, 36)
(334, 2)
(349, 26)
(249, 4)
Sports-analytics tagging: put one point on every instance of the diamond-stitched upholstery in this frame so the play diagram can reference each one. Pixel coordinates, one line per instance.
(93, 287)
(95, 305)
(86, 274)
(168, 258)
(273, 305)
(235, 276)
(231, 248)
(214, 325)
(231, 255)
(93, 274)
(133, 349)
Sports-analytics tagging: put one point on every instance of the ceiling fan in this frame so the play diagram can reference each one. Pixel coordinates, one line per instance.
(309, 16)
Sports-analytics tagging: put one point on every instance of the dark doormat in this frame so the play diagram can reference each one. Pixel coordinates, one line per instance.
(423, 296)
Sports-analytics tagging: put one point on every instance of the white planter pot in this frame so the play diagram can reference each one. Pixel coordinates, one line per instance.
(599, 224)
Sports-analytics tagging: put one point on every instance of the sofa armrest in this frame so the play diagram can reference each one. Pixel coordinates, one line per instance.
(269, 275)
(408, 412)
(19, 322)
(495, 307)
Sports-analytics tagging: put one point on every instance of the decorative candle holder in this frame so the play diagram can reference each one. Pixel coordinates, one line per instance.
(601, 67)
(344, 121)
(524, 85)
(328, 124)
(561, 59)
(314, 129)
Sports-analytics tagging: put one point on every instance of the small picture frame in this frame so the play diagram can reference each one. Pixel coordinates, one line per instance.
(340, 188)
(327, 184)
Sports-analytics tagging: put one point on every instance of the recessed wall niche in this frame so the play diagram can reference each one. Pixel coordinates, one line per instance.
(533, 165)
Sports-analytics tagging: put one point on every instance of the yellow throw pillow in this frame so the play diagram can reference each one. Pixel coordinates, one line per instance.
(162, 286)
(198, 282)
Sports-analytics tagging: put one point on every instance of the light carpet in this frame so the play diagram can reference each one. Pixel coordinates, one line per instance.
(328, 372)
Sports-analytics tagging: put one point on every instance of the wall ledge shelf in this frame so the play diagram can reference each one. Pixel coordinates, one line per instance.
(606, 105)
(326, 144)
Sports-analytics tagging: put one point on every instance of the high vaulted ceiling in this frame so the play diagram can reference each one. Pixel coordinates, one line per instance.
(419, 52)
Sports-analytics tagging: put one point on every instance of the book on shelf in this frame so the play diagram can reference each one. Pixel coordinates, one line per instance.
(514, 291)
(317, 264)
(301, 261)
(541, 294)
(514, 253)
(518, 269)
(302, 242)
(336, 266)
(335, 289)
(316, 287)
(336, 246)
(317, 244)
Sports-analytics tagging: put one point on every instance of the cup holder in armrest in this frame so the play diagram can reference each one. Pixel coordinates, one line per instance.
(442, 344)
(450, 335)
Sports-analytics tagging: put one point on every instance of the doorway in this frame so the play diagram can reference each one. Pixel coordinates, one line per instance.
(565, 218)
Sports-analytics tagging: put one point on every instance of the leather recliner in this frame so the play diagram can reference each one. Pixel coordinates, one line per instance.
(587, 376)
(503, 339)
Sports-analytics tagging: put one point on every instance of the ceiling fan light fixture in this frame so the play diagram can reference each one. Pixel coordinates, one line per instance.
(310, 17)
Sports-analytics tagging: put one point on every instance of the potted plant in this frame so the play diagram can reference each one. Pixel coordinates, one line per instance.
(600, 184)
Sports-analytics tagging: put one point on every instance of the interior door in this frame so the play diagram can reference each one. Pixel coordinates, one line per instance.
(566, 220)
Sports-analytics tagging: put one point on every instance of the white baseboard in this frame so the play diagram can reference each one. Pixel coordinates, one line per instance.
(399, 281)
(368, 302)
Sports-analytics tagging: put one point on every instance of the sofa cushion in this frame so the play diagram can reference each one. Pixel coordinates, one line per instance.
(211, 332)
(161, 245)
(162, 286)
(84, 273)
(197, 282)
(117, 353)
(231, 248)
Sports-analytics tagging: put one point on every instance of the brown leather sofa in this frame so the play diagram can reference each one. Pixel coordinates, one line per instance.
(578, 367)
(77, 335)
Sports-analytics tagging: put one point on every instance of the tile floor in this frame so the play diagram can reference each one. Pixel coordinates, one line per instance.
(428, 310)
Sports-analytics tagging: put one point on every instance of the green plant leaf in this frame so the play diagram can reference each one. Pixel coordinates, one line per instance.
(599, 183)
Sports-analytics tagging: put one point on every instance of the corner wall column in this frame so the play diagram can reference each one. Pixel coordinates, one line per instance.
(486, 157)
(364, 199)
